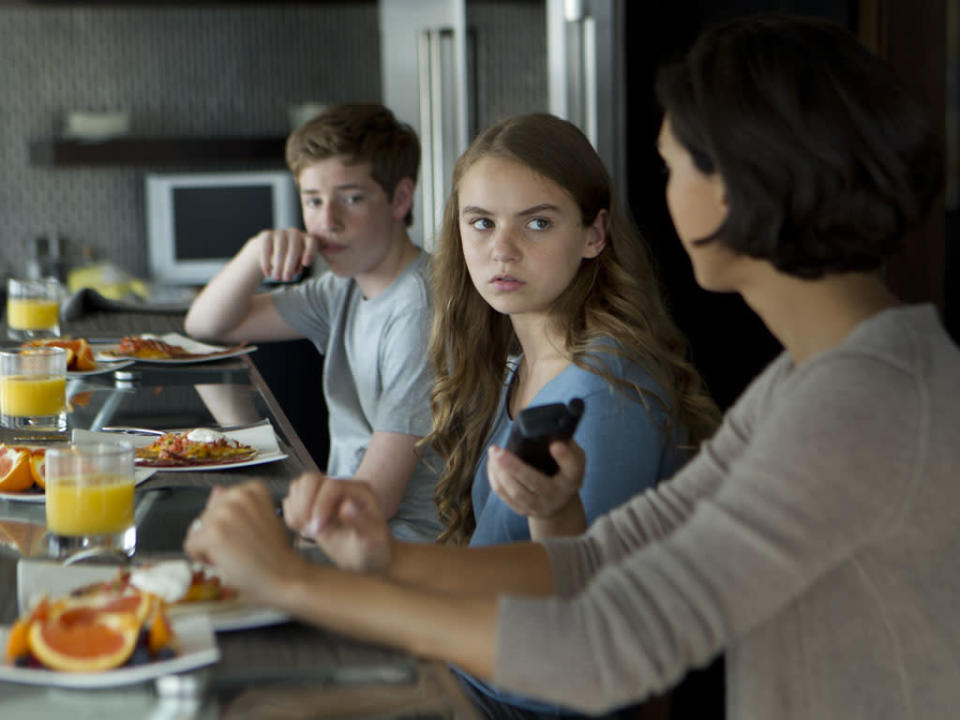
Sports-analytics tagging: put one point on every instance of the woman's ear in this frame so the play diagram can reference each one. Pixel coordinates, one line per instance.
(596, 235)
(402, 198)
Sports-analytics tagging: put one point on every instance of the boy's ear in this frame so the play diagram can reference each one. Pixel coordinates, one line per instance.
(596, 235)
(402, 198)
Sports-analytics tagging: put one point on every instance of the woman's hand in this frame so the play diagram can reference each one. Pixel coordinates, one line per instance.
(239, 535)
(344, 517)
(550, 503)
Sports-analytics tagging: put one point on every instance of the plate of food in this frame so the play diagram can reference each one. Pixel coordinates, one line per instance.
(202, 448)
(21, 472)
(189, 589)
(81, 361)
(169, 349)
(100, 635)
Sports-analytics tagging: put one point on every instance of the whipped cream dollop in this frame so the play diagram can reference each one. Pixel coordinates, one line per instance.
(204, 435)
(169, 579)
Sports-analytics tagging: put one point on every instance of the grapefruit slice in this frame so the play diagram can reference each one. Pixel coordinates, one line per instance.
(17, 644)
(79, 354)
(126, 599)
(84, 640)
(37, 467)
(15, 474)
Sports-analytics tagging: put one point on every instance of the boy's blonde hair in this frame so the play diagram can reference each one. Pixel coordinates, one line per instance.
(362, 133)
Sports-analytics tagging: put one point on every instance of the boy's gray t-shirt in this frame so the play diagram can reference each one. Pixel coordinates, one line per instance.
(376, 373)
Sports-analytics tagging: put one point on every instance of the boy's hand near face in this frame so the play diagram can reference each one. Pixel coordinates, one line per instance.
(284, 253)
(229, 309)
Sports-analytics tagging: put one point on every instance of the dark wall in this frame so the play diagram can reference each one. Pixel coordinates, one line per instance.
(730, 345)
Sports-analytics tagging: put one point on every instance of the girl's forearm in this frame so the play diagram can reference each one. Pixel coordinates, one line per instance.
(518, 568)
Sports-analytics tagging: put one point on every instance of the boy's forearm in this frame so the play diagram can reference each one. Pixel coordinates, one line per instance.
(224, 302)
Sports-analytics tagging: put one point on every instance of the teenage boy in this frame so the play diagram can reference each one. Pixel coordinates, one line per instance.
(356, 168)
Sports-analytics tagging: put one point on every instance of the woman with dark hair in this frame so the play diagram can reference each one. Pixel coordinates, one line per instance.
(813, 539)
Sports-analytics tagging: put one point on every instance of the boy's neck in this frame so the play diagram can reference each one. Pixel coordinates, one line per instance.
(402, 252)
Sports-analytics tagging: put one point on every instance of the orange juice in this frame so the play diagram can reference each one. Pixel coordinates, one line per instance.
(95, 505)
(32, 313)
(32, 395)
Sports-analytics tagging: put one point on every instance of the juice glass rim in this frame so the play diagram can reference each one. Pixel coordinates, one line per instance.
(90, 449)
(12, 359)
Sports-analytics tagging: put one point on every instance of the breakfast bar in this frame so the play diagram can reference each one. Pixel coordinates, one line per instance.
(273, 669)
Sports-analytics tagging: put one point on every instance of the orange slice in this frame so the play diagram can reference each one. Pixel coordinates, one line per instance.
(83, 640)
(37, 467)
(17, 644)
(159, 632)
(79, 354)
(15, 472)
(125, 600)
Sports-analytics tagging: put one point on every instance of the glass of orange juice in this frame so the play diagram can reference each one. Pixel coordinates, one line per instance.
(90, 491)
(33, 383)
(33, 308)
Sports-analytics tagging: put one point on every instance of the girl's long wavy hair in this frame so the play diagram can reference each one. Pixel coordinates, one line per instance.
(615, 294)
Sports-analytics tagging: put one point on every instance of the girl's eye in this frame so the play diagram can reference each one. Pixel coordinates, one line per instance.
(311, 202)
(354, 199)
(481, 224)
(538, 223)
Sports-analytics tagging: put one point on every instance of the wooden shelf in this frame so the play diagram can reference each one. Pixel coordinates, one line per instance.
(159, 151)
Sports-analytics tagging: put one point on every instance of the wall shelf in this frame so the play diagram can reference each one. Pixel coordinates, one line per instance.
(133, 151)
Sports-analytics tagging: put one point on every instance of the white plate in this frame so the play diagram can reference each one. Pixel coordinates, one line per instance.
(31, 496)
(262, 438)
(208, 352)
(103, 366)
(198, 647)
(36, 577)
(235, 615)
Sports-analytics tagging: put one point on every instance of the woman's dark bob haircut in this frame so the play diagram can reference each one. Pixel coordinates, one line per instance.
(826, 159)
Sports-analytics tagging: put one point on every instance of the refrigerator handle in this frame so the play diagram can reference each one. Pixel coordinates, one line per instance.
(438, 122)
(590, 107)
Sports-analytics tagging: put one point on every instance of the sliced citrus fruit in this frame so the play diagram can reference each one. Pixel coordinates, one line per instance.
(37, 467)
(14, 469)
(17, 644)
(107, 599)
(79, 354)
(85, 359)
(159, 632)
(83, 640)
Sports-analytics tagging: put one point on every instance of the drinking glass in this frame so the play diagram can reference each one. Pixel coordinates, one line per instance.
(33, 308)
(89, 488)
(33, 384)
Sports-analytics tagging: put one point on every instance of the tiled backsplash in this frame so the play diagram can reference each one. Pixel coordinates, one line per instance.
(178, 71)
(201, 71)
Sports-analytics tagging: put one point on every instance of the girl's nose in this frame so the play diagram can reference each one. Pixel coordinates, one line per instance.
(505, 248)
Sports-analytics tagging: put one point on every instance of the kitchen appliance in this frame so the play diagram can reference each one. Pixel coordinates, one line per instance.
(196, 222)
(452, 67)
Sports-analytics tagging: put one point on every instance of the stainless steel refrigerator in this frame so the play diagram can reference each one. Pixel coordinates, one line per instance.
(452, 67)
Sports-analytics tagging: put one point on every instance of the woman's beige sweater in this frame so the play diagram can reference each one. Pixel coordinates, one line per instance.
(815, 540)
